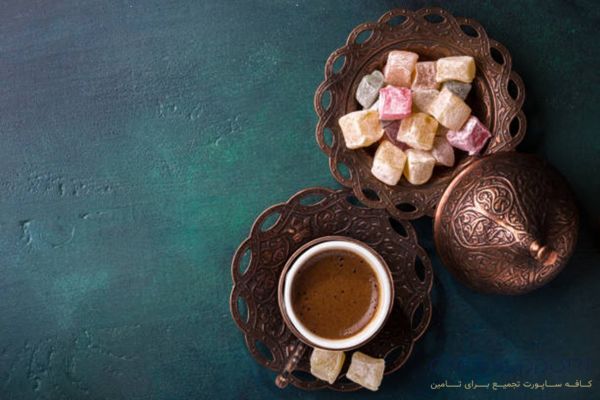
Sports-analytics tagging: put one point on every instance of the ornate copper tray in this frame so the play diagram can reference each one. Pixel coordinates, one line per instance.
(312, 213)
(496, 99)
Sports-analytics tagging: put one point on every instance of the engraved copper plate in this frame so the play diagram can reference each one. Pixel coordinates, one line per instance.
(310, 214)
(507, 224)
(496, 99)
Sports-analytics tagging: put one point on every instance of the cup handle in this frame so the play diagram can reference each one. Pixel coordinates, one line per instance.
(295, 351)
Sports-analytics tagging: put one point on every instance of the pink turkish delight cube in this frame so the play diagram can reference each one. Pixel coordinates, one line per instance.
(394, 103)
(425, 76)
(471, 137)
(399, 68)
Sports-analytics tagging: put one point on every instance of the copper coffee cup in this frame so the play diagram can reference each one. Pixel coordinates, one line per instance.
(307, 337)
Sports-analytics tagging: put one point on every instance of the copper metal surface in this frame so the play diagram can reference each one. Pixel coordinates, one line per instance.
(507, 224)
(310, 214)
(496, 98)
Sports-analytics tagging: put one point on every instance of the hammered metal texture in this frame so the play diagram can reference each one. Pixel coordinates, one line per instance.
(496, 98)
(310, 214)
(495, 213)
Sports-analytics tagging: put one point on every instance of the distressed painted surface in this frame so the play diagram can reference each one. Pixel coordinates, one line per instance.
(139, 140)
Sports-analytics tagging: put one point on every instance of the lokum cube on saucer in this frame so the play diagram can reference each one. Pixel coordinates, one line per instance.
(449, 110)
(326, 364)
(399, 67)
(457, 68)
(418, 131)
(368, 88)
(394, 103)
(425, 76)
(422, 98)
(471, 137)
(391, 132)
(388, 163)
(442, 151)
(419, 166)
(460, 89)
(361, 128)
(366, 371)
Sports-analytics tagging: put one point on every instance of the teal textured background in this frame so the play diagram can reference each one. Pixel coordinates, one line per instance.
(138, 142)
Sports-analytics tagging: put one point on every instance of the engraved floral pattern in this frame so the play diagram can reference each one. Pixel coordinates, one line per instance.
(490, 215)
(495, 212)
(261, 321)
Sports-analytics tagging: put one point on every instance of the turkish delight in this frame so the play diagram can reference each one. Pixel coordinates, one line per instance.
(416, 113)
(394, 103)
(388, 163)
(458, 68)
(471, 137)
(418, 131)
(361, 128)
(419, 166)
(425, 76)
(366, 371)
(422, 98)
(399, 68)
(442, 151)
(460, 89)
(391, 133)
(326, 364)
(368, 88)
(449, 110)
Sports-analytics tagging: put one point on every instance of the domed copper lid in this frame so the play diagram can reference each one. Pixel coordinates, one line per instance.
(506, 224)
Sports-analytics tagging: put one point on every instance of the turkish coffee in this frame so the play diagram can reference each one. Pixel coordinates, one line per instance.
(335, 294)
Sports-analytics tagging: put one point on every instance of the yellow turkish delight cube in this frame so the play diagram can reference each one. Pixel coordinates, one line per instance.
(419, 166)
(388, 163)
(361, 128)
(326, 364)
(366, 371)
(422, 98)
(418, 131)
(458, 68)
(449, 110)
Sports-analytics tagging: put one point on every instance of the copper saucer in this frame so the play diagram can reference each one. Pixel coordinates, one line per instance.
(496, 99)
(312, 213)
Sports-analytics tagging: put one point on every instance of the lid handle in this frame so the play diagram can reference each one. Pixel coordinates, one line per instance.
(543, 254)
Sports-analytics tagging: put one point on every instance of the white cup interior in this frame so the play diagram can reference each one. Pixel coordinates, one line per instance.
(384, 302)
